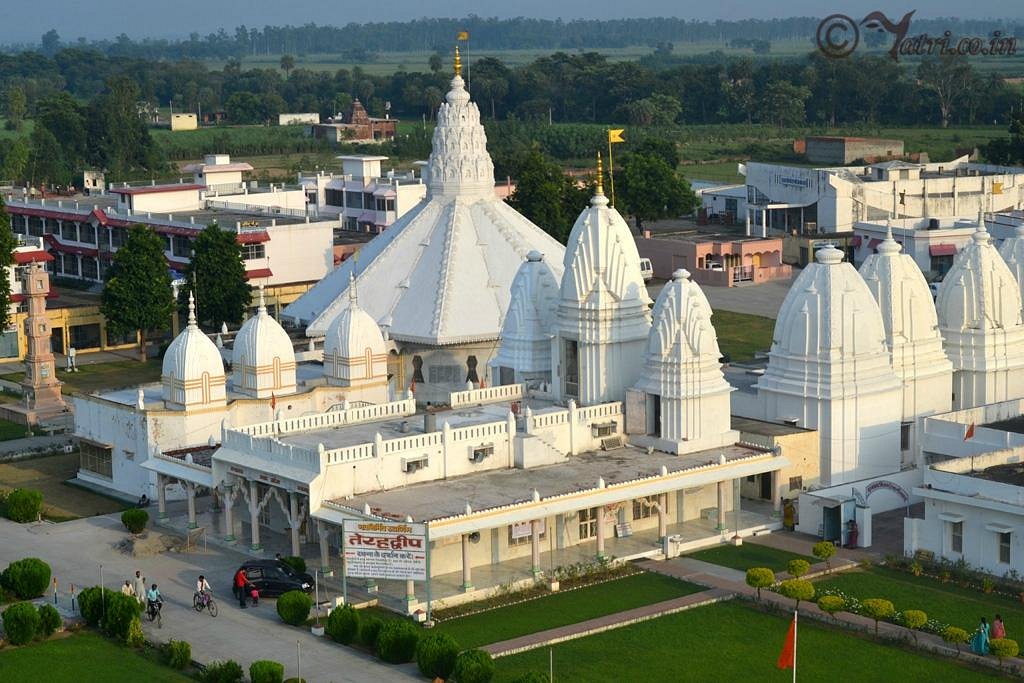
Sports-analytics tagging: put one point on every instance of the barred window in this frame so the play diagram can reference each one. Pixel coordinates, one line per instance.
(96, 459)
(588, 523)
(643, 508)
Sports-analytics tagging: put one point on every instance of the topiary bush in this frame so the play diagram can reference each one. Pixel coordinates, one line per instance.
(532, 677)
(830, 604)
(293, 607)
(797, 589)
(293, 679)
(120, 611)
(1003, 647)
(955, 636)
(296, 563)
(436, 654)
(266, 671)
(222, 672)
(474, 666)
(914, 619)
(797, 568)
(21, 623)
(877, 609)
(369, 629)
(343, 625)
(135, 520)
(24, 505)
(177, 654)
(135, 637)
(396, 643)
(49, 620)
(824, 551)
(27, 578)
(760, 577)
(92, 606)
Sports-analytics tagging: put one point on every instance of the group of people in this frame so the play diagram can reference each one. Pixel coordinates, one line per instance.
(981, 636)
(136, 588)
(245, 589)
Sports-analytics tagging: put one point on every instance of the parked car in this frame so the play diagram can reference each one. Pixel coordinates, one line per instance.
(646, 269)
(716, 266)
(273, 577)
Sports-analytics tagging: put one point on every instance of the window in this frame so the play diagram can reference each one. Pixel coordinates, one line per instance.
(643, 508)
(471, 375)
(117, 237)
(87, 233)
(445, 374)
(384, 204)
(69, 231)
(571, 371)
(334, 197)
(417, 369)
(905, 436)
(796, 483)
(956, 537)
(354, 200)
(90, 269)
(182, 247)
(588, 523)
(167, 241)
(351, 223)
(1004, 547)
(84, 336)
(506, 375)
(521, 533)
(731, 204)
(252, 251)
(96, 459)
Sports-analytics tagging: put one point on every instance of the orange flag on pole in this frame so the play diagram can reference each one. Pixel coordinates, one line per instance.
(970, 432)
(787, 658)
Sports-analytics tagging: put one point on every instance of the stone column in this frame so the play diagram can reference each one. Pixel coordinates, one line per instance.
(467, 574)
(190, 489)
(410, 595)
(720, 510)
(535, 547)
(254, 515)
(161, 496)
(662, 517)
(736, 509)
(776, 493)
(293, 522)
(214, 500)
(229, 516)
(600, 532)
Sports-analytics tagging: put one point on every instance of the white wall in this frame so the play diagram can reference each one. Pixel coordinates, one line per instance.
(299, 252)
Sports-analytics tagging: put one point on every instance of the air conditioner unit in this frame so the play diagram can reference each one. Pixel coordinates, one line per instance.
(612, 443)
(603, 430)
(413, 464)
(480, 452)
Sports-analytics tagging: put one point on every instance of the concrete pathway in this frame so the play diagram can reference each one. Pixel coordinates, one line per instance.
(78, 551)
(33, 444)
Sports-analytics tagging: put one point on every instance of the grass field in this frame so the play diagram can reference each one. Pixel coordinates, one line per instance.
(60, 501)
(729, 642)
(11, 430)
(945, 602)
(560, 609)
(748, 555)
(740, 334)
(103, 376)
(82, 658)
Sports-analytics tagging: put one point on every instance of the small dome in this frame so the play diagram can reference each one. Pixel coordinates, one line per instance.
(526, 334)
(263, 355)
(193, 371)
(1012, 251)
(979, 292)
(352, 337)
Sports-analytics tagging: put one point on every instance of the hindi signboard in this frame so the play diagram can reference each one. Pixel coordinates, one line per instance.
(385, 550)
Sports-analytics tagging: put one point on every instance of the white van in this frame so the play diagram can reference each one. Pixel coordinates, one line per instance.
(646, 269)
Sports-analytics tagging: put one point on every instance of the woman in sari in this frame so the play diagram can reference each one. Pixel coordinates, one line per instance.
(979, 641)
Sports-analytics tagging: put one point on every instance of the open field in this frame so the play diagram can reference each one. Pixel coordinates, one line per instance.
(728, 642)
(560, 609)
(60, 501)
(102, 376)
(741, 335)
(82, 658)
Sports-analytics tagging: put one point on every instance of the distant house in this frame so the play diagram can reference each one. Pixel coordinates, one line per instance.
(298, 119)
(184, 122)
(357, 126)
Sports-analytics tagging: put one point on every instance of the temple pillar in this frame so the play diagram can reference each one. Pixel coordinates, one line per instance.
(325, 547)
(662, 517)
(190, 490)
(161, 496)
(410, 593)
(229, 514)
(720, 510)
(254, 515)
(535, 547)
(776, 493)
(600, 532)
(294, 522)
(467, 574)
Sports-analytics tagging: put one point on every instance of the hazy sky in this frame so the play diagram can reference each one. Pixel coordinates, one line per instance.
(25, 22)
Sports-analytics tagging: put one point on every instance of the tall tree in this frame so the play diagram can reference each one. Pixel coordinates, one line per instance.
(547, 196)
(7, 245)
(948, 79)
(137, 292)
(50, 42)
(46, 163)
(15, 107)
(217, 274)
(649, 189)
(287, 63)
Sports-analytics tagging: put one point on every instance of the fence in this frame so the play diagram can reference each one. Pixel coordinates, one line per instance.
(497, 394)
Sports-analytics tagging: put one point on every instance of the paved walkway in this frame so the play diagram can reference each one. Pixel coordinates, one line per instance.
(79, 551)
(33, 444)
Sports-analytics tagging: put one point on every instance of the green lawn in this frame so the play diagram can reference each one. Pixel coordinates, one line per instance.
(945, 602)
(560, 609)
(103, 376)
(12, 430)
(82, 658)
(729, 642)
(748, 555)
(740, 334)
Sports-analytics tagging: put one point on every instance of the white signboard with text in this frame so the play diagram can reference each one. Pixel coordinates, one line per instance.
(384, 550)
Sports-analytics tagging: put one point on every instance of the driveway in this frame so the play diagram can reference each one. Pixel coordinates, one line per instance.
(76, 550)
(764, 299)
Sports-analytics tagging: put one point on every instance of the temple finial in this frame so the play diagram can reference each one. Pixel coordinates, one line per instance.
(352, 295)
(600, 175)
(458, 62)
(888, 229)
(263, 302)
(191, 310)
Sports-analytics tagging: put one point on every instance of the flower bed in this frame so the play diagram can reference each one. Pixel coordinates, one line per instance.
(853, 606)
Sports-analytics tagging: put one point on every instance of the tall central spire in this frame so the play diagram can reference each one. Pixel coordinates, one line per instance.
(458, 62)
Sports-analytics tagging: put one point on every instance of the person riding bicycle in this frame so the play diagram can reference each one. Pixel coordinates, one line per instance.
(154, 600)
(203, 589)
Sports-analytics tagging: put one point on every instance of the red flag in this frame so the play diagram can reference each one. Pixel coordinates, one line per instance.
(483, 383)
(787, 658)
(273, 401)
(970, 432)
(412, 387)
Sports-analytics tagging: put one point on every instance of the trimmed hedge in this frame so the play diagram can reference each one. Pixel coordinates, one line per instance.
(266, 671)
(49, 620)
(177, 654)
(24, 505)
(436, 654)
(396, 643)
(343, 625)
(293, 607)
(797, 568)
(27, 578)
(1003, 647)
(369, 630)
(760, 577)
(222, 672)
(92, 602)
(135, 637)
(121, 611)
(135, 520)
(474, 666)
(21, 623)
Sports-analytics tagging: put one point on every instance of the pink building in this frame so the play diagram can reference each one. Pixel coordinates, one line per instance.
(718, 260)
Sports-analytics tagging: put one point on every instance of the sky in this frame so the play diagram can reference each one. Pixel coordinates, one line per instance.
(25, 22)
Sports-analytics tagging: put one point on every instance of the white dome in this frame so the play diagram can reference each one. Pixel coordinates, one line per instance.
(263, 358)
(526, 334)
(1012, 251)
(193, 371)
(979, 292)
(354, 348)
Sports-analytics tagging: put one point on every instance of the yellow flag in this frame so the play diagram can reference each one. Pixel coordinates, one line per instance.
(615, 135)
(463, 35)
(997, 188)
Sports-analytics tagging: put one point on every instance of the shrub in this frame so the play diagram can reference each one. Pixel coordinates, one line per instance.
(436, 655)
(24, 505)
(49, 620)
(831, 604)
(532, 677)
(760, 577)
(135, 637)
(877, 609)
(797, 589)
(266, 671)
(293, 679)
(474, 666)
(824, 551)
(914, 619)
(293, 607)
(296, 563)
(177, 654)
(955, 636)
(92, 602)
(797, 568)
(1003, 647)
(396, 643)
(121, 610)
(27, 578)
(135, 520)
(21, 623)
(222, 672)
(369, 629)
(343, 625)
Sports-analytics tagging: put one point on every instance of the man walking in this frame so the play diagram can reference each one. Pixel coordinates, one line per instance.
(240, 584)
(140, 587)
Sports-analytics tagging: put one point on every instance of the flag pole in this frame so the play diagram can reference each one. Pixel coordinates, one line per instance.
(611, 171)
(796, 613)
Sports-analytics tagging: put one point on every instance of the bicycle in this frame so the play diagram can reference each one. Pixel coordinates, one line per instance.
(153, 610)
(202, 601)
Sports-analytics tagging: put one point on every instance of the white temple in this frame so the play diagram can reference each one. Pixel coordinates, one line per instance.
(1012, 251)
(355, 354)
(979, 312)
(262, 358)
(911, 335)
(192, 374)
